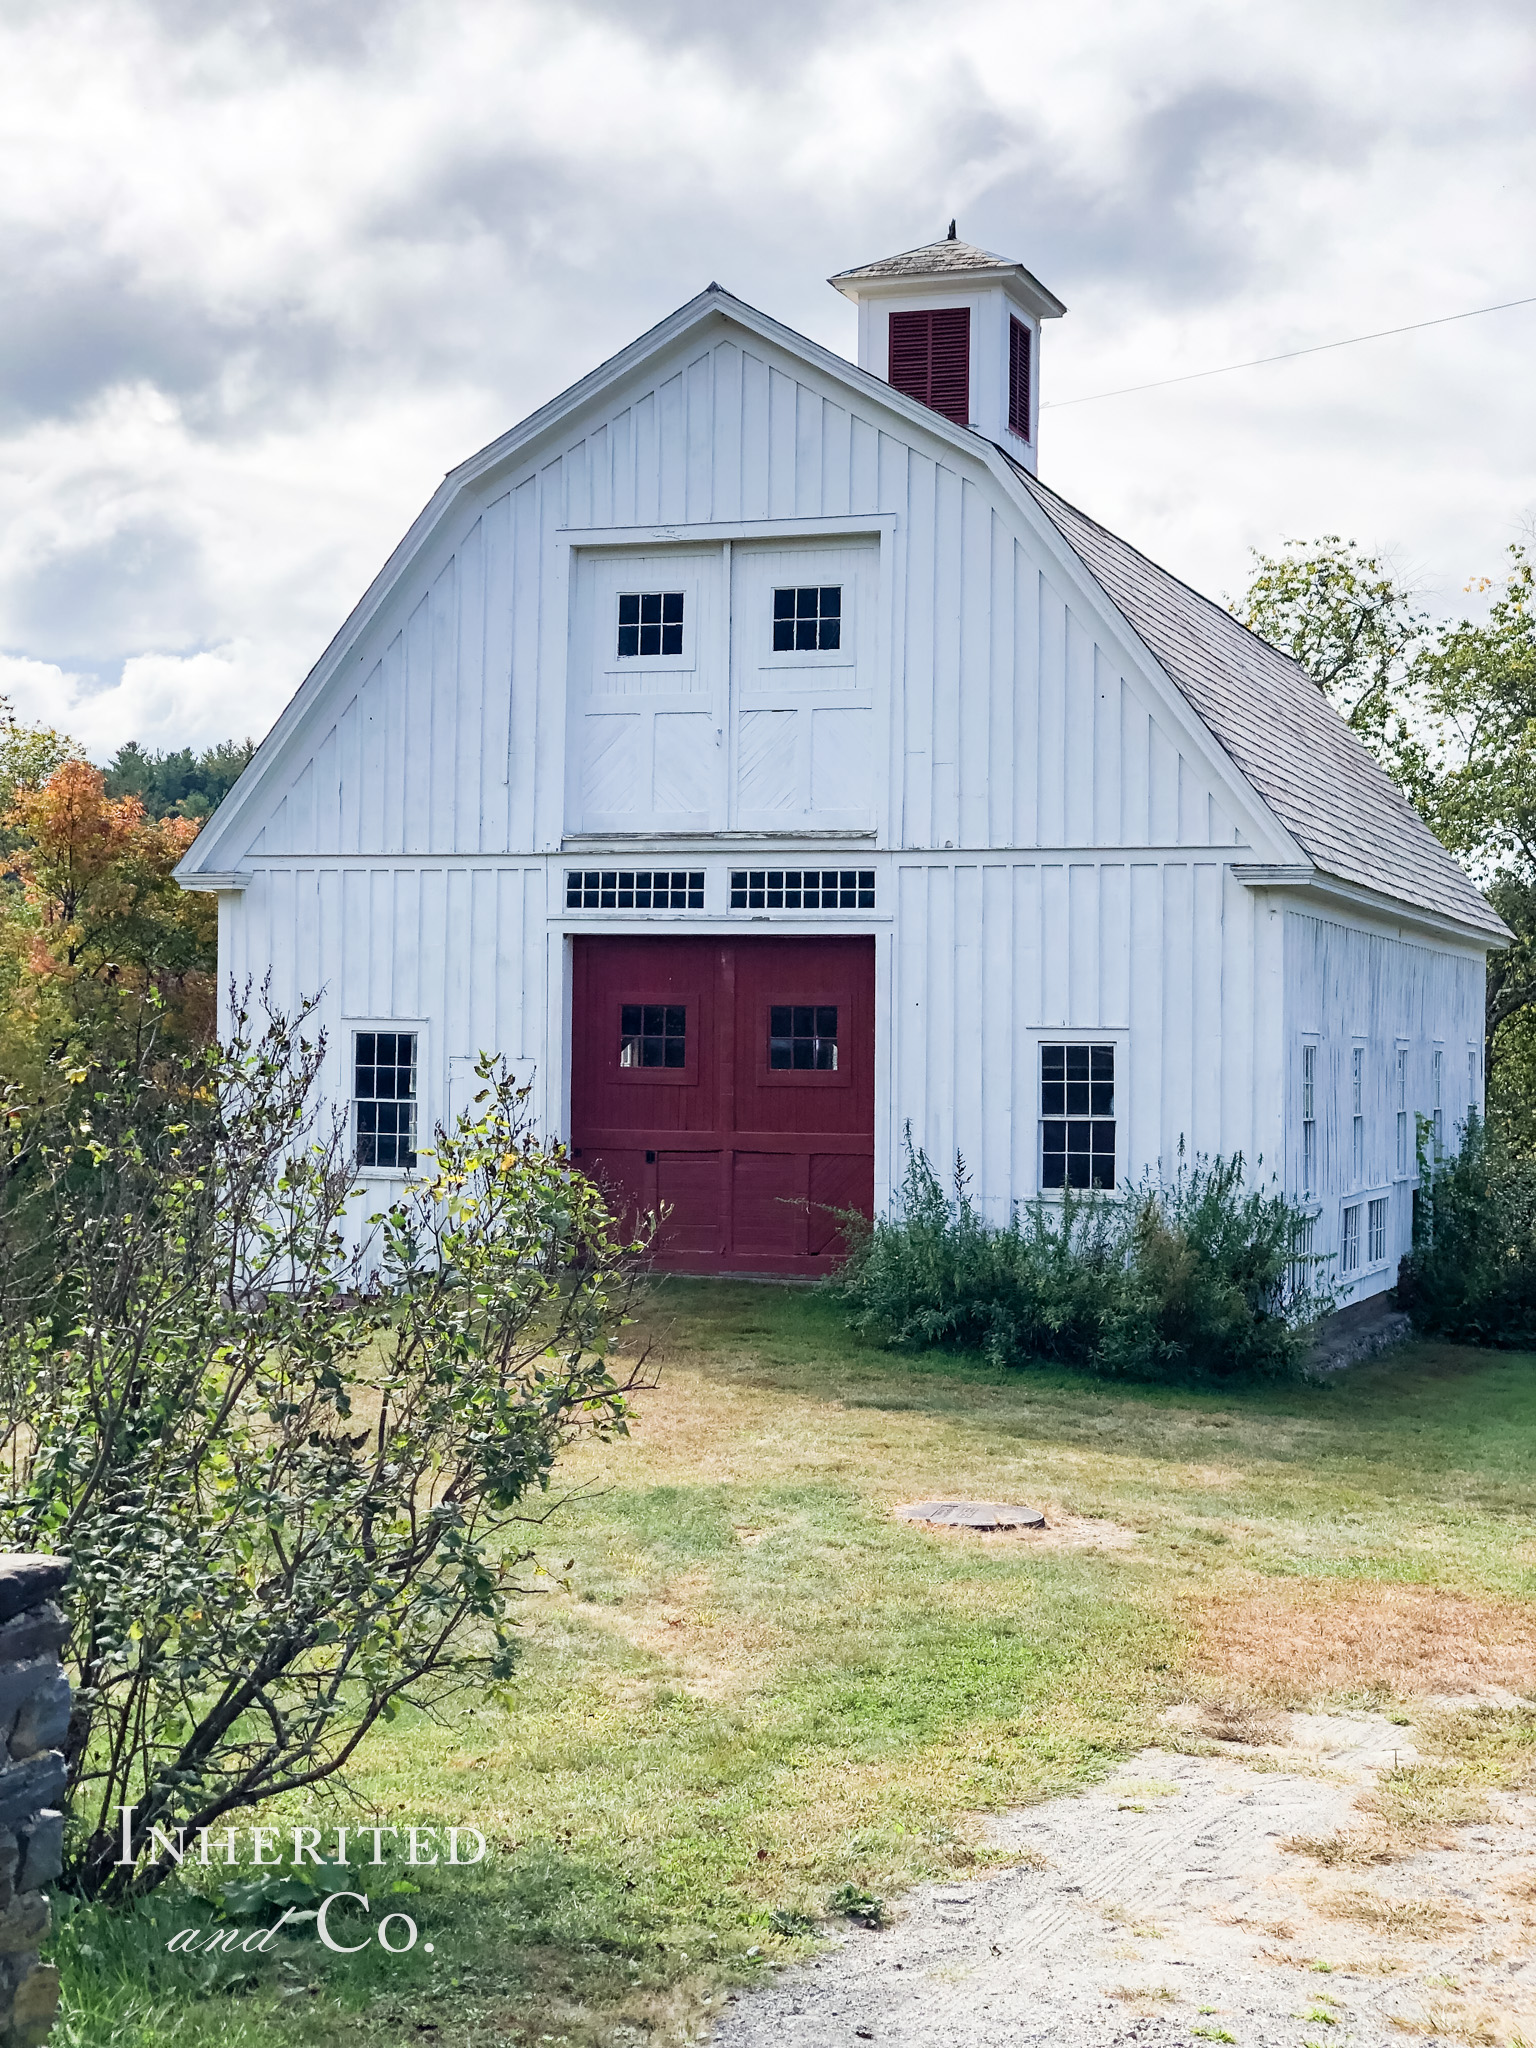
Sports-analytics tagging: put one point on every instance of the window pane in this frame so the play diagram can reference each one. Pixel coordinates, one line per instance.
(806, 603)
(831, 634)
(629, 611)
(629, 1019)
(784, 635)
(650, 608)
(1077, 1062)
(365, 1051)
(1053, 1062)
(783, 604)
(1103, 1062)
(805, 636)
(672, 606)
(803, 1037)
(831, 600)
(650, 639)
(671, 639)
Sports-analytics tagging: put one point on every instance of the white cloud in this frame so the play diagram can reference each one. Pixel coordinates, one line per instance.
(166, 701)
(271, 269)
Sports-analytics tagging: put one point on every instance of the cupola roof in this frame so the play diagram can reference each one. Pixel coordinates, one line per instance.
(948, 262)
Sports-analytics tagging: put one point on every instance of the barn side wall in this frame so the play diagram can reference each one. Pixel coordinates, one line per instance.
(1358, 987)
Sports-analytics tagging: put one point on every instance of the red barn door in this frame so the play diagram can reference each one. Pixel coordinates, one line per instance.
(729, 1083)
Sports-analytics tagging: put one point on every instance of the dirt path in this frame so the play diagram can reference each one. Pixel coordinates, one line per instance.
(1162, 1908)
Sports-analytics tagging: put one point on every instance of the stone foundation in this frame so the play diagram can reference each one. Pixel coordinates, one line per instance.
(34, 1717)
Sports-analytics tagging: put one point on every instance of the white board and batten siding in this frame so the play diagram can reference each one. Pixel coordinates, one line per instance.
(1053, 829)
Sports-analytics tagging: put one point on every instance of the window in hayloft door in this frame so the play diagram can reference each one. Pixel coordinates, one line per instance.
(1077, 1116)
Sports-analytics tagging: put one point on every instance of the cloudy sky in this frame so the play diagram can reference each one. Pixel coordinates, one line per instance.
(269, 269)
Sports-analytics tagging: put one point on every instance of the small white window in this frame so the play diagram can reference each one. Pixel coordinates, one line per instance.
(1308, 1119)
(1402, 1112)
(1357, 1108)
(384, 1099)
(1376, 1250)
(1471, 1083)
(1437, 1068)
(650, 622)
(1350, 1257)
(1077, 1116)
(808, 619)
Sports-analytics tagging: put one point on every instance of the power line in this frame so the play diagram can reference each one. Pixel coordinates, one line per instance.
(1317, 348)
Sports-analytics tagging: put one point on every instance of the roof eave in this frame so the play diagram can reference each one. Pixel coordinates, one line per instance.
(1336, 892)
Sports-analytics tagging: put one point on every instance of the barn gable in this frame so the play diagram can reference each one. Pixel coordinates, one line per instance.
(995, 699)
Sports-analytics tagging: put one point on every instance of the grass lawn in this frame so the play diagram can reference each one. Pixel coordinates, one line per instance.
(755, 1687)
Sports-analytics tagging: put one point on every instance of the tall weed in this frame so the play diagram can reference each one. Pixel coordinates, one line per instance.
(1189, 1276)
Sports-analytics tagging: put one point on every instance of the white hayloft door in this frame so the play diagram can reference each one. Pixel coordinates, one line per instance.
(751, 749)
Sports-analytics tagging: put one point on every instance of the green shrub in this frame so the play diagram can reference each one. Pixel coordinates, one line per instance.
(1188, 1276)
(1472, 1271)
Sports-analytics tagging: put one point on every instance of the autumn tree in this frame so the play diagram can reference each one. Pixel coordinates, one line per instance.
(106, 946)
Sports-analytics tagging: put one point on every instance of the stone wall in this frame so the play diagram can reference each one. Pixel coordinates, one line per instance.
(34, 1715)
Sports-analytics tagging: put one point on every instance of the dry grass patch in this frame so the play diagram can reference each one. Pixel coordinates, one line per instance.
(1412, 1919)
(1144, 1997)
(1294, 1641)
(1246, 1721)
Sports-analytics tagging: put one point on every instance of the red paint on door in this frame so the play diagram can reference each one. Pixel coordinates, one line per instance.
(729, 1083)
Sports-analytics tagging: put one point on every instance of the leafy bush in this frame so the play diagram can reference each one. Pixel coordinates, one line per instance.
(1472, 1271)
(1193, 1276)
(289, 1490)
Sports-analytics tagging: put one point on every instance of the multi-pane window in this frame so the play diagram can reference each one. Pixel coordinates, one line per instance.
(384, 1098)
(1308, 1118)
(802, 1035)
(1077, 1116)
(802, 888)
(1376, 1224)
(1471, 1083)
(650, 622)
(634, 888)
(808, 619)
(1349, 1258)
(1357, 1112)
(653, 1035)
(1436, 1073)
(1402, 1112)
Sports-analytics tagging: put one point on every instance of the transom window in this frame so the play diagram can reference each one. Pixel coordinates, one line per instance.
(650, 622)
(384, 1098)
(808, 619)
(802, 888)
(1077, 1116)
(634, 888)
(653, 1035)
(802, 1035)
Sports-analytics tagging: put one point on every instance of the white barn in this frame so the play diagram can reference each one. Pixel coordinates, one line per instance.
(755, 752)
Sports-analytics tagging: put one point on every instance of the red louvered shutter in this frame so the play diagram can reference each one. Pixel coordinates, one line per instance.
(930, 359)
(1018, 378)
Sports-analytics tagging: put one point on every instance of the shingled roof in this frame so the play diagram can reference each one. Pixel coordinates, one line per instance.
(1290, 743)
(947, 259)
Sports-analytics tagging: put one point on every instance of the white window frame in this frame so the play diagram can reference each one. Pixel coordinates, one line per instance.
(1049, 1034)
(1357, 1113)
(1404, 1134)
(1362, 1200)
(1309, 1171)
(1437, 1112)
(424, 1121)
(1351, 1269)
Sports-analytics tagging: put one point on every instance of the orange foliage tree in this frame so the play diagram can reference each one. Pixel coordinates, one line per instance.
(109, 942)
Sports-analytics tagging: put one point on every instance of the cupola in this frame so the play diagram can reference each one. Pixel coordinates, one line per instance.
(958, 328)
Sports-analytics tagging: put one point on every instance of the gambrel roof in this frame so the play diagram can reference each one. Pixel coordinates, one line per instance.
(1333, 796)
(1286, 744)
